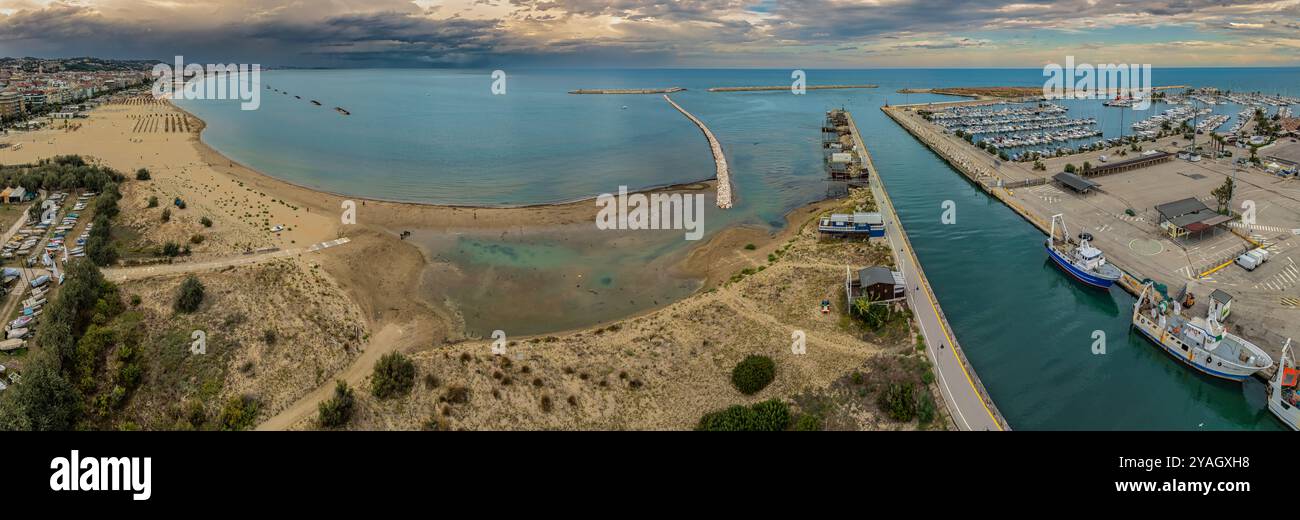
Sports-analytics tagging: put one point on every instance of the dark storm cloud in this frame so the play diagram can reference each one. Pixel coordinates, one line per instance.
(625, 32)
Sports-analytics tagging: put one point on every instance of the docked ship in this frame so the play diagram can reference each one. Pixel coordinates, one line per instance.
(1082, 261)
(1201, 343)
(1282, 398)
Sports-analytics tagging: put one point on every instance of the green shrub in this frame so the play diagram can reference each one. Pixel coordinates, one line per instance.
(925, 411)
(394, 375)
(239, 413)
(190, 295)
(808, 423)
(734, 418)
(142, 174)
(770, 415)
(753, 374)
(153, 201)
(337, 411)
(196, 239)
(898, 402)
(166, 215)
(207, 222)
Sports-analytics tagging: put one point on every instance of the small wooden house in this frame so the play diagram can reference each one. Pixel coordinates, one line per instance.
(876, 284)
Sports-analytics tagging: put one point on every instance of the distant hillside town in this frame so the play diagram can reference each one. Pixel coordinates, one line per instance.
(31, 87)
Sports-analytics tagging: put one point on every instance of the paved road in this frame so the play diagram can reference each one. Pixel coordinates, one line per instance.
(117, 274)
(963, 399)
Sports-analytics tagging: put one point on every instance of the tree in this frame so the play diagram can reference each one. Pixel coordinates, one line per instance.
(99, 248)
(753, 374)
(190, 295)
(394, 375)
(142, 174)
(44, 401)
(337, 410)
(1223, 194)
(1069, 168)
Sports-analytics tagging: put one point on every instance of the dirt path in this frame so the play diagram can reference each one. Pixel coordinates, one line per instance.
(383, 342)
(119, 274)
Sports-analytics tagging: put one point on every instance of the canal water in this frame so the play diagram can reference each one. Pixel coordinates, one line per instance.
(1028, 328)
(441, 137)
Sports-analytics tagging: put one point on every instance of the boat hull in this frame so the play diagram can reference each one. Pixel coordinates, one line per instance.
(1087, 278)
(1229, 375)
(1290, 417)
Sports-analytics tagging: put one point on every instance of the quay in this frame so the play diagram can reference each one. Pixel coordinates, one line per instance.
(669, 90)
(964, 395)
(724, 199)
(786, 87)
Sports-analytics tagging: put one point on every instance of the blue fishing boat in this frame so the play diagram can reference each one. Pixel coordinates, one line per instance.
(1082, 261)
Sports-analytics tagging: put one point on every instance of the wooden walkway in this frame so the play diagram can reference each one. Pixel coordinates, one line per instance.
(719, 160)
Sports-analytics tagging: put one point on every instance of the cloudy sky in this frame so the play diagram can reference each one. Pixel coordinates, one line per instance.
(639, 33)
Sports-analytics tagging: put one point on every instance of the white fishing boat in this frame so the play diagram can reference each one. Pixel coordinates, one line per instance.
(1080, 260)
(1201, 343)
(1282, 398)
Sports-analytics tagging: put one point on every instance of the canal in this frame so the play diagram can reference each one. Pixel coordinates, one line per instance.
(1028, 329)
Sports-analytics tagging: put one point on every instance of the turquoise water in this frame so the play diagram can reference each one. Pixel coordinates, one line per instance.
(441, 137)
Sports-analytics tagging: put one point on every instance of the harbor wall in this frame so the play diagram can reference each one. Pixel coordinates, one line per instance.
(719, 160)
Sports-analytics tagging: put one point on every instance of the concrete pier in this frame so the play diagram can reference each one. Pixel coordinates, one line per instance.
(720, 161)
(669, 90)
(968, 402)
(786, 87)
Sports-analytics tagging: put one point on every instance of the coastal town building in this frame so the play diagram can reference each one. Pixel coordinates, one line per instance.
(11, 104)
(1182, 218)
(876, 284)
(1075, 182)
(857, 224)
